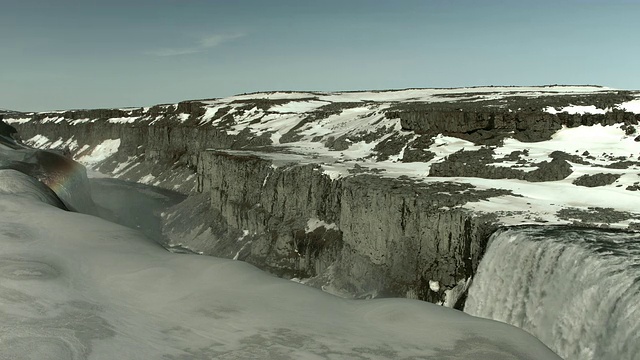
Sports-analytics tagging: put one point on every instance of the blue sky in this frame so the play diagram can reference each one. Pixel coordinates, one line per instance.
(63, 54)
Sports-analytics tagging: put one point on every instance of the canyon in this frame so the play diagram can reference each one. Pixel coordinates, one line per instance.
(367, 194)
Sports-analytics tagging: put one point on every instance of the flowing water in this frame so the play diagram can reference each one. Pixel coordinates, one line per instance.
(577, 290)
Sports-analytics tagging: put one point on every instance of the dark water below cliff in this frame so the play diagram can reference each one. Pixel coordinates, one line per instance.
(133, 205)
(577, 290)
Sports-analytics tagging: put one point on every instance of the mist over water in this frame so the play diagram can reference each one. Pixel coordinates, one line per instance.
(577, 290)
(137, 206)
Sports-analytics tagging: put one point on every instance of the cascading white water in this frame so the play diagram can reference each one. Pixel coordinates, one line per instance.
(577, 290)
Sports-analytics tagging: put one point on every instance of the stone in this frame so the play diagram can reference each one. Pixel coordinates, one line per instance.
(595, 180)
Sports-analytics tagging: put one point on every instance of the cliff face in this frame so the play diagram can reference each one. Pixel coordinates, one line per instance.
(490, 127)
(361, 235)
(355, 193)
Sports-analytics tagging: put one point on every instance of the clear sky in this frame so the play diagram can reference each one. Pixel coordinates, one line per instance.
(63, 54)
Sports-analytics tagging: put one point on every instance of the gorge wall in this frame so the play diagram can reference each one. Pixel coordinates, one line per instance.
(336, 194)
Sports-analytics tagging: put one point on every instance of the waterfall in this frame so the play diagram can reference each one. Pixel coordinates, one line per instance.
(577, 290)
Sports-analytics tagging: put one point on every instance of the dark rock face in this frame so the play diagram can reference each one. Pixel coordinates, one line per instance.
(601, 179)
(634, 187)
(554, 170)
(417, 150)
(477, 164)
(379, 236)
(489, 127)
(560, 155)
(592, 215)
(6, 129)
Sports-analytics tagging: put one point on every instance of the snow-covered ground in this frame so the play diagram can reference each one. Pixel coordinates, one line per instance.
(78, 287)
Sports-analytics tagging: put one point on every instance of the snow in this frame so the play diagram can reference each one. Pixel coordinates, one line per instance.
(314, 223)
(38, 141)
(183, 117)
(209, 113)
(17, 120)
(147, 179)
(630, 106)
(446, 145)
(577, 109)
(298, 106)
(76, 286)
(125, 166)
(432, 95)
(598, 140)
(100, 152)
(123, 120)
(543, 200)
(56, 144)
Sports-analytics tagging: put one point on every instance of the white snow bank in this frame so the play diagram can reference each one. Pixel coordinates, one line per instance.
(17, 120)
(630, 106)
(435, 95)
(314, 223)
(577, 109)
(100, 153)
(38, 141)
(123, 120)
(298, 106)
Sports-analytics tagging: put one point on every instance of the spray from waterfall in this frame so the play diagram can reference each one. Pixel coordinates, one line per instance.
(577, 290)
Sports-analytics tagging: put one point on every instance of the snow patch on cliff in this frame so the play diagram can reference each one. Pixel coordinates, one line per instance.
(123, 120)
(630, 106)
(315, 223)
(38, 141)
(100, 152)
(577, 109)
(298, 106)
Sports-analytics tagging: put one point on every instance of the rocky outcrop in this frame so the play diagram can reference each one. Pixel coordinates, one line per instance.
(488, 127)
(6, 129)
(594, 180)
(477, 163)
(362, 235)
